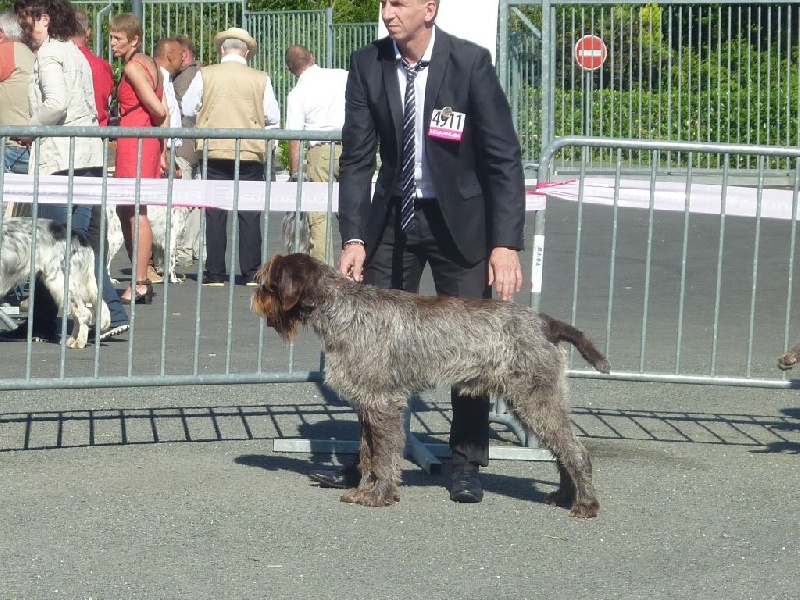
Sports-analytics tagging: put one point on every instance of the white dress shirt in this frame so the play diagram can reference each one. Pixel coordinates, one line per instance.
(172, 105)
(317, 100)
(193, 98)
(422, 172)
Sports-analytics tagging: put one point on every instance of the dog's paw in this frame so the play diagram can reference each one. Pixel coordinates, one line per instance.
(787, 361)
(75, 343)
(114, 281)
(585, 509)
(381, 494)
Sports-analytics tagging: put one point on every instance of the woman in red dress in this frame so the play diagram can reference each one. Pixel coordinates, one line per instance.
(140, 95)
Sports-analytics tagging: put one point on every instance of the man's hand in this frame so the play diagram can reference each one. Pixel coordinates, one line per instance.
(505, 272)
(351, 264)
(166, 161)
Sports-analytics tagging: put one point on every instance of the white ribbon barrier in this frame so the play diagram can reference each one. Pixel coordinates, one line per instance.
(671, 196)
(54, 189)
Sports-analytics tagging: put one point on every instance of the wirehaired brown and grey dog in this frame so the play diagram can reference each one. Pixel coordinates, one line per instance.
(50, 262)
(382, 346)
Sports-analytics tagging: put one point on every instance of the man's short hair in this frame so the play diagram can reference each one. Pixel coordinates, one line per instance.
(187, 43)
(297, 58)
(9, 25)
(83, 22)
(162, 47)
(234, 44)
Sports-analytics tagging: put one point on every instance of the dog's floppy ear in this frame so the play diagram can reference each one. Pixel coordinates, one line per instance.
(291, 274)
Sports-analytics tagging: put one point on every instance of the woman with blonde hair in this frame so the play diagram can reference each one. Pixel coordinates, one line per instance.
(140, 94)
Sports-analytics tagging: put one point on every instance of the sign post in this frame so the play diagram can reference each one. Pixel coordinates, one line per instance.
(590, 54)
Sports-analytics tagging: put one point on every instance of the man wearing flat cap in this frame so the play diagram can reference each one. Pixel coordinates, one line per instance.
(232, 95)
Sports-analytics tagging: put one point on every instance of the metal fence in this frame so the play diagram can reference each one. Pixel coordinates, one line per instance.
(193, 338)
(678, 281)
(688, 281)
(675, 70)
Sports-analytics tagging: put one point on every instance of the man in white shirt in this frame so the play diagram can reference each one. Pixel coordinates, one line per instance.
(232, 95)
(315, 103)
(167, 55)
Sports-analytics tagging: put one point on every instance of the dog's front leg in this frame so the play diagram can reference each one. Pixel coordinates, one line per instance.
(380, 454)
(81, 315)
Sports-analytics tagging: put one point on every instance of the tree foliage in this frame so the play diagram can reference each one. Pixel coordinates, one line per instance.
(344, 11)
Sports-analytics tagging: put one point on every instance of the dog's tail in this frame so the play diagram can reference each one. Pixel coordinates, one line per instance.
(556, 331)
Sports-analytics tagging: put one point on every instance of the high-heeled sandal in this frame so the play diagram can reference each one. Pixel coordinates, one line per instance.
(144, 298)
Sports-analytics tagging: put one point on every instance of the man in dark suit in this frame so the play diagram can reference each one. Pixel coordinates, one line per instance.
(458, 204)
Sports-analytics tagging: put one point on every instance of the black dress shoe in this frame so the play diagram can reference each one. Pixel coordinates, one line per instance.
(341, 479)
(466, 486)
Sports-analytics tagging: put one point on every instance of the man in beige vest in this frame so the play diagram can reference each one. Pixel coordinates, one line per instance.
(233, 95)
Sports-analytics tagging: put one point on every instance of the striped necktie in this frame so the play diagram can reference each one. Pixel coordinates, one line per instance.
(409, 185)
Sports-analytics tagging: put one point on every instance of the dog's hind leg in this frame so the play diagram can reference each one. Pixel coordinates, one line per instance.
(178, 225)
(543, 410)
(82, 292)
(380, 454)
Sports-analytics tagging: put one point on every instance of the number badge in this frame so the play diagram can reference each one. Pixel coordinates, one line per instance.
(447, 124)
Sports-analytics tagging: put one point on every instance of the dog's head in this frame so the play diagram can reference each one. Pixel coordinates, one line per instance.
(289, 289)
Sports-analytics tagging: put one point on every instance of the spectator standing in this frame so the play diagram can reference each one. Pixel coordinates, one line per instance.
(16, 67)
(167, 55)
(316, 102)
(450, 191)
(103, 84)
(188, 245)
(233, 95)
(102, 73)
(60, 93)
(140, 96)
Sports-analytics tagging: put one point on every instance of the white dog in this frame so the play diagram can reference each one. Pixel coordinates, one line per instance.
(158, 223)
(50, 262)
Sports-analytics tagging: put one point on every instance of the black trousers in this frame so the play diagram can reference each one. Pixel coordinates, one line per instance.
(398, 263)
(249, 223)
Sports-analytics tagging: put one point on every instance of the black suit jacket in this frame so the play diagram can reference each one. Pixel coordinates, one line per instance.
(479, 181)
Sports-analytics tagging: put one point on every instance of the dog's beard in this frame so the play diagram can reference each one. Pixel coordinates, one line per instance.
(286, 324)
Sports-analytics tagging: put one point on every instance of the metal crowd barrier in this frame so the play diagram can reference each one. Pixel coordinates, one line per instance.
(193, 335)
(683, 275)
(138, 365)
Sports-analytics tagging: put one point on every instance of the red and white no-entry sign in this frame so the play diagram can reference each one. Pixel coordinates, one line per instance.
(590, 52)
